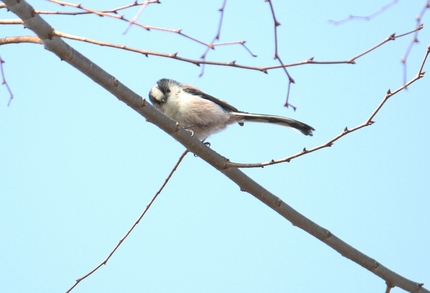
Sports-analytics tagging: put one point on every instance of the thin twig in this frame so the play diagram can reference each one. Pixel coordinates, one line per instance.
(235, 43)
(113, 10)
(109, 13)
(346, 131)
(5, 83)
(121, 17)
(367, 17)
(135, 223)
(202, 63)
(113, 14)
(231, 63)
(133, 21)
(265, 69)
(20, 39)
(413, 41)
(311, 60)
(11, 21)
(381, 10)
(216, 38)
(276, 23)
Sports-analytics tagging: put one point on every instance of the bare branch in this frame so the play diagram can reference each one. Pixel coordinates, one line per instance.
(346, 131)
(200, 62)
(112, 13)
(311, 60)
(367, 17)
(276, 23)
(230, 64)
(384, 8)
(133, 21)
(5, 83)
(217, 36)
(235, 43)
(97, 12)
(414, 40)
(20, 39)
(104, 262)
(11, 21)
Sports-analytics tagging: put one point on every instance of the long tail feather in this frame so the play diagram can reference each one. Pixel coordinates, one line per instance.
(284, 121)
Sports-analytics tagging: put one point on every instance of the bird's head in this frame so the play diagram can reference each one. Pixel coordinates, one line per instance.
(162, 91)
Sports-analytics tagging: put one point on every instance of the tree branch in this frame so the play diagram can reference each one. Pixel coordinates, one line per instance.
(346, 131)
(4, 82)
(20, 39)
(265, 69)
(414, 40)
(276, 23)
(216, 38)
(367, 17)
(104, 262)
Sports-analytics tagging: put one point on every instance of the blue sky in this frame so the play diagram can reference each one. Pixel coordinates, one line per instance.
(77, 166)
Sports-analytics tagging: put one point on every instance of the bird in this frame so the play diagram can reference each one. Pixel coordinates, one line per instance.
(203, 115)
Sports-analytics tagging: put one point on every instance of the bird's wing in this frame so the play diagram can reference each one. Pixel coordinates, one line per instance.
(197, 92)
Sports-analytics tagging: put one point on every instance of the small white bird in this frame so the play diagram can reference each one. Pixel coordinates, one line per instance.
(203, 114)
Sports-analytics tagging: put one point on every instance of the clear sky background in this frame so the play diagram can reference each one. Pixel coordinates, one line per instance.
(77, 166)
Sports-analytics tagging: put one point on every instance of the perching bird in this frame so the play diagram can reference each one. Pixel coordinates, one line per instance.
(203, 114)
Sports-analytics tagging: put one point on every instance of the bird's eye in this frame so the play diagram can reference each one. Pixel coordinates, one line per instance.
(167, 90)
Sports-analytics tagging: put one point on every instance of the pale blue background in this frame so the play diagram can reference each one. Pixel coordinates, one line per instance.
(77, 166)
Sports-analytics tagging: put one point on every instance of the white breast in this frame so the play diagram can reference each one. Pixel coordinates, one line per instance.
(201, 116)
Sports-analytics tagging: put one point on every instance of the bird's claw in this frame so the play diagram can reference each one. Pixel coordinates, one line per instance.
(190, 132)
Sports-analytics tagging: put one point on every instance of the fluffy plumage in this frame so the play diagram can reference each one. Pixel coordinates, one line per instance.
(195, 110)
